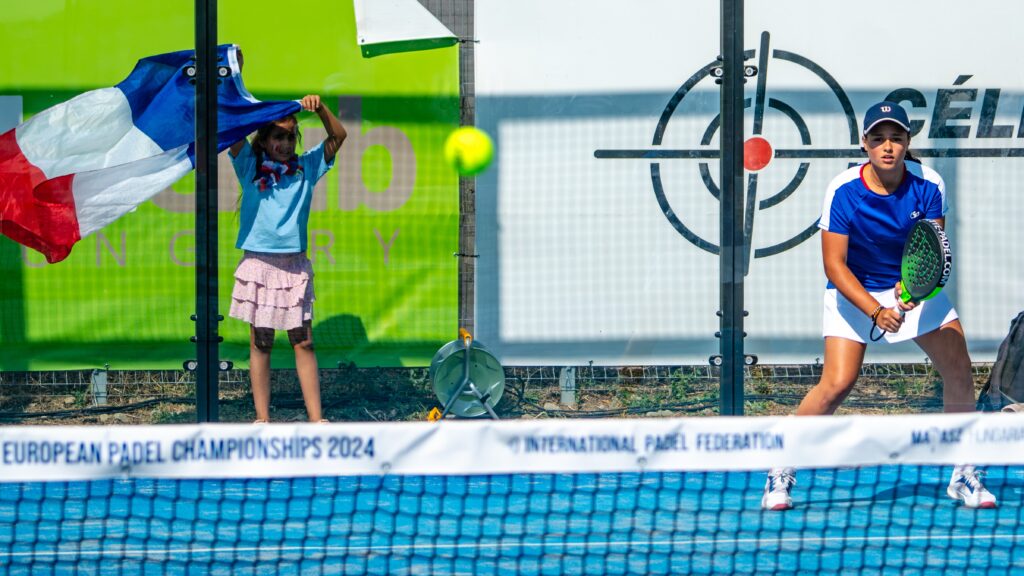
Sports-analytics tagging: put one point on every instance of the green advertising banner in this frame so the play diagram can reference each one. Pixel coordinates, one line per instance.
(384, 221)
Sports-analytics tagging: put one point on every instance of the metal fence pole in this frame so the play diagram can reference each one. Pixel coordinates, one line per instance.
(732, 255)
(206, 316)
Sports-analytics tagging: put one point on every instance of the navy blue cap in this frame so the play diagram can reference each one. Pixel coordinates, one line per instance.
(886, 112)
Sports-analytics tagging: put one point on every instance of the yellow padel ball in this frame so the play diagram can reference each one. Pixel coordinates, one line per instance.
(469, 150)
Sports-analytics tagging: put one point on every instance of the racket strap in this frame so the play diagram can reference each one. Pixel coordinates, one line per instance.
(874, 325)
(874, 329)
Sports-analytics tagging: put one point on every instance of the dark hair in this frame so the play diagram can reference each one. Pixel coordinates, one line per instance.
(257, 147)
(263, 133)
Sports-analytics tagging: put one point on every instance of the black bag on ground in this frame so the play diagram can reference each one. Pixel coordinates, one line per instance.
(1006, 382)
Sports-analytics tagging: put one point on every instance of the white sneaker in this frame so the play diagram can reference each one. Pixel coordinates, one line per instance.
(776, 489)
(965, 485)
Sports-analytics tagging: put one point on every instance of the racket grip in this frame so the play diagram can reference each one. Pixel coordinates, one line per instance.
(905, 297)
(904, 293)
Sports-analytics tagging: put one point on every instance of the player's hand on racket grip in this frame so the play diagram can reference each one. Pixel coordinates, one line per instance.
(903, 306)
(889, 319)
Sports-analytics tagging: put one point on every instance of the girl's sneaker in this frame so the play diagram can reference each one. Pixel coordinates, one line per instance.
(776, 489)
(966, 486)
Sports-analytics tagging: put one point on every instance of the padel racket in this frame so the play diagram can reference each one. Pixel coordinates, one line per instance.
(927, 262)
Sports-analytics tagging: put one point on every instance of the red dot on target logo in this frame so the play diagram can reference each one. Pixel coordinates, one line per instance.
(757, 153)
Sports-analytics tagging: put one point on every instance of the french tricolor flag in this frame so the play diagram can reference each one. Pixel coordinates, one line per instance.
(74, 168)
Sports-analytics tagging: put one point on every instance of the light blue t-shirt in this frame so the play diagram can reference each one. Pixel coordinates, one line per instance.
(276, 219)
(878, 225)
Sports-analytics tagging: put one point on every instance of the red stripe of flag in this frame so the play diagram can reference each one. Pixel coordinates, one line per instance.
(34, 211)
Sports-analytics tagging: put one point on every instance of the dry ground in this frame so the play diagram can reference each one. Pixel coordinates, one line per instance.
(406, 394)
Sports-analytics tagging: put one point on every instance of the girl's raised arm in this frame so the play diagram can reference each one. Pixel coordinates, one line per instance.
(236, 148)
(335, 131)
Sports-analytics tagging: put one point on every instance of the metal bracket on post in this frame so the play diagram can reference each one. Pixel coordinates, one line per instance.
(222, 365)
(716, 360)
(191, 365)
(717, 72)
(749, 71)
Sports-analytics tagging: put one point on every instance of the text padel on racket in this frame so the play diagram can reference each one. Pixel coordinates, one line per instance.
(927, 263)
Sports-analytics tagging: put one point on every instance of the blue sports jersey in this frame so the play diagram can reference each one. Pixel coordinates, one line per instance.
(877, 226)
(275, 220)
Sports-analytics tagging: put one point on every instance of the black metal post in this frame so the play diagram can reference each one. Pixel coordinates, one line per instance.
(732, 257)
(466, 32)
(206, 316)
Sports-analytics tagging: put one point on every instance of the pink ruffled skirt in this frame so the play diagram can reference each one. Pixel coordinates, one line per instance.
(273, 290)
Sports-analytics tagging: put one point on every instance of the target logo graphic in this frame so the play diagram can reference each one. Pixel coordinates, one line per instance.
(758, 151)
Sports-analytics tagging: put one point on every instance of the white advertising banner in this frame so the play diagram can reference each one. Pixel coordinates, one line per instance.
(40, 453)
(598, 224)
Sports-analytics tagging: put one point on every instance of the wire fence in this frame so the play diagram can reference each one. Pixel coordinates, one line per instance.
(106, 396)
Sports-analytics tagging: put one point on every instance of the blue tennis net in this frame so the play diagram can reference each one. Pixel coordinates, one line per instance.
(270, 507)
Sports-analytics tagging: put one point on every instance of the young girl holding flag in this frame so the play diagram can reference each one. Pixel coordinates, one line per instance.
(274, 281)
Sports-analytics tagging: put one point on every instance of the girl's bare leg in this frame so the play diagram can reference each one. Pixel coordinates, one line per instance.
(843, 359)
(260, 344)
(308, 370)
(947, 349)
